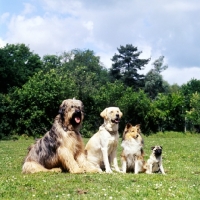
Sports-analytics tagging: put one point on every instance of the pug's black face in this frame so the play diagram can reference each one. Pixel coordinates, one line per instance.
(157, 150)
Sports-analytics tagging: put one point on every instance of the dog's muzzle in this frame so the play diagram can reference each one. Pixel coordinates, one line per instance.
(116, 120)
(77, 116)
(158, 152)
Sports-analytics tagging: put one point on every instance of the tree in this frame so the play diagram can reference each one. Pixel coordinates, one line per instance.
(159, 66)
(154, 82)
(34, 106)
(136, 107)
(174, 88)
(193, 115)
(126, 65)
(51, 62)
(191, 87)
(17, 65)
(87, 70)
(170, 110)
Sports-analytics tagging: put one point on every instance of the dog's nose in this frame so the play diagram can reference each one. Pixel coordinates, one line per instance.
(77, 111)
(117, 115)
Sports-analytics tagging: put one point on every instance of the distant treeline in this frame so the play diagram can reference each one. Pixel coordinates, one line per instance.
(32, 88)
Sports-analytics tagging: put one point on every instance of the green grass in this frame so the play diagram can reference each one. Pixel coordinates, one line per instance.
(181, 160)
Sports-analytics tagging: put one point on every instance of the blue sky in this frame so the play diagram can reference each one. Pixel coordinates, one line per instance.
(169, 28)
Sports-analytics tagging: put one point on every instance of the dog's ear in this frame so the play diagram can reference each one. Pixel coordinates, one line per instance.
(161, 147)
(138, 128)
(120, 114)
(128, 125)
(62, 108)
(138, 125)
(104, 113)
(152, 148)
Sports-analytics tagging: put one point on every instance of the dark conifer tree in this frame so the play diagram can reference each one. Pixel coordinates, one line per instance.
(126, 65)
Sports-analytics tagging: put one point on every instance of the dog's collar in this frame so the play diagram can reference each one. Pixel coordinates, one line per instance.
(111, 132)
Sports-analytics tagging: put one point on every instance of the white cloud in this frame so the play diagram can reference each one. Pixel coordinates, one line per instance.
(182, 6)
(168, 28)
(4, 17)
(72, 7)
(28, 8)
(88, 25)
(180, 76)
(2, 43)
(47, 35)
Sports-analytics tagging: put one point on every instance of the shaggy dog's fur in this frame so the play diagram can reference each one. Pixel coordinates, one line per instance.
(154, 163)
(132, 156)
(61, 148)
(101, 149)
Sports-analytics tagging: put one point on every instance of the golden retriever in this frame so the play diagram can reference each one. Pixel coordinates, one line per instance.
(101, 149)
(61, 148)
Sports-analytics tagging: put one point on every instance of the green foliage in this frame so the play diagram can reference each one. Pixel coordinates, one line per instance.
(136, 107)
(97, 99)
(37, 87)
(89, 76)
(159, 65)
(33, 107)
(188, 89)
(174, 88)
(170, 111)
(17, 65)
(88, 60)
(154, 82)
(51, 62)
(126, 65)
(194, 114)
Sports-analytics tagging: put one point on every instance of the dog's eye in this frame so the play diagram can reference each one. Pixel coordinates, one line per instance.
(72, 106)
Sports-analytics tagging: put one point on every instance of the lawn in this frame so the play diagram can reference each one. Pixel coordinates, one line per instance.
(181, 161)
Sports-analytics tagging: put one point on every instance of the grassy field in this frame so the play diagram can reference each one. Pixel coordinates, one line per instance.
(181, 160)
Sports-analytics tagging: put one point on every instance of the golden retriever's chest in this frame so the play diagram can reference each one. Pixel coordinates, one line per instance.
(112, 144)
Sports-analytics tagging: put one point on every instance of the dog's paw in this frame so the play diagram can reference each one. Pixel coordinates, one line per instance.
(78, 171)
(147, 172)
(56, 170)
(117, 169)
(109, 171)
(94, 170)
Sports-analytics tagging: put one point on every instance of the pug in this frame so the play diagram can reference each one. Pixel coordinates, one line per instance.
(154, 163)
